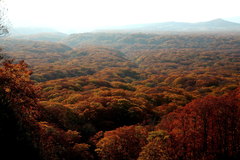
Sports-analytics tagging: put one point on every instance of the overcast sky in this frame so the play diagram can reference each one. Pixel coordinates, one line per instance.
(90, 14)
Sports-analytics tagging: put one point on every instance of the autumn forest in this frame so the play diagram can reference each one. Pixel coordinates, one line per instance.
(120, 96)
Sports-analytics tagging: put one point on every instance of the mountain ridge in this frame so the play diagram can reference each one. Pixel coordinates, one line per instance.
(215, 25)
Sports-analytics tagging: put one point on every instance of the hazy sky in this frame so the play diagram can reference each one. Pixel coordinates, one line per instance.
(89, 14)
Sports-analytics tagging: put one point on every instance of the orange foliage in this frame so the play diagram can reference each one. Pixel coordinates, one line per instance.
(122, 143)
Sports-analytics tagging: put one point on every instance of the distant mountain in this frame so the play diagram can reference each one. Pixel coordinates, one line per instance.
(217, 25)
(30, 30)
(48, 36)
(233, 19)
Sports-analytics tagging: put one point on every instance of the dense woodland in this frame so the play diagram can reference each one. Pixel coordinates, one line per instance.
(119, 96)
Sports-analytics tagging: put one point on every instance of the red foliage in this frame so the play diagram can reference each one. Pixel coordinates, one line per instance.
(207, 127)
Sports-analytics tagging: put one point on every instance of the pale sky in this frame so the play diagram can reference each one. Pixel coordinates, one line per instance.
(90, 14)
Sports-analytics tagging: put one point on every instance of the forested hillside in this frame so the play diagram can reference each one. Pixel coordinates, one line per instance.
(119, 96)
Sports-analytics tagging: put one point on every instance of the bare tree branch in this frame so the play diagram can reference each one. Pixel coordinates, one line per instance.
(3, 19)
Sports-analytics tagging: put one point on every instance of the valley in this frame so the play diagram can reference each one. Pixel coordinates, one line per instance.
(141, 92)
